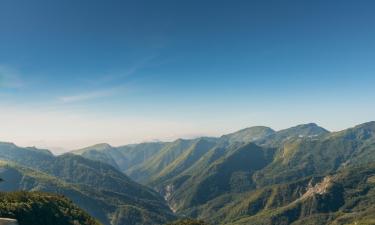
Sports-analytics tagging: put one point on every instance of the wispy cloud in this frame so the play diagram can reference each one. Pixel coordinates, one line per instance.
(88, 95)
(124, 73)
(107, 79)
(9, 78)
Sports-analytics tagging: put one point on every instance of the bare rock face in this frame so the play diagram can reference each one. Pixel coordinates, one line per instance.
(319, 188)
(6, 221)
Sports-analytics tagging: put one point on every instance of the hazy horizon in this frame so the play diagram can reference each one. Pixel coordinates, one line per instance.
(80, 145)
(73, 74)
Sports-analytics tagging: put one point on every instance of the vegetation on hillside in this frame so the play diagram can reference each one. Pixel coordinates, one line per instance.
(301, 175)
(98, 188)
(188, 222)
(35, 208)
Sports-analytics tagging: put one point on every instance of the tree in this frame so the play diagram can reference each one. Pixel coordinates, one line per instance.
(188, 222)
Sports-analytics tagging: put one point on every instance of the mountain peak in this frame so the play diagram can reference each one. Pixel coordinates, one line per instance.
(99, 147)
(310, 124)
(367, 125)
(307, 129)
(305, 125)
(249, 134)
(362, 131)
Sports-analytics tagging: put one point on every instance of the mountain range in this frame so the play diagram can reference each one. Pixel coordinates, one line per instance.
(98, 188)
(300, 175)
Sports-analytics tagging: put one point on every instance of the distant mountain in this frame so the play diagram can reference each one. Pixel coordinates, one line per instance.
(310, 130)
(100, 152)
(37, 208)
(150, 162)
(98, 188)
(249, 134)
(305, 156)
(125, 158)
(29, 156)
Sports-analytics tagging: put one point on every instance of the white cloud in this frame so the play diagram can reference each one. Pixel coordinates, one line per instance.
(88, 96)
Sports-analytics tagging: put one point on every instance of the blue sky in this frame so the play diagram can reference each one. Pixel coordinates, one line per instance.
(74, 73)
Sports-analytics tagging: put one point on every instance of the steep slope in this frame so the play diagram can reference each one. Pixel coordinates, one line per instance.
(347, 197)
(138, 153)
(188, 158)
(331, 190)
(151, 162)
(191, 172)
(232, 173)
(40, 208)
(150, 169)
(159, 168)
(306, 156)
(224, 173)
(125, 200)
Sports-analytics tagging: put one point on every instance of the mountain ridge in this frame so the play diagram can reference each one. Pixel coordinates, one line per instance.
(255, 175)
(97, 187)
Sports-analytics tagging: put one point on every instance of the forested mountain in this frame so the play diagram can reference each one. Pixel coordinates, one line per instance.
(264, 176)
(151, 162)
(344, 197)
(100, 189)
(35, 208)
(301, 175)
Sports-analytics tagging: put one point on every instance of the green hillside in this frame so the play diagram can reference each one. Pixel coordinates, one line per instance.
(153, 163)
(188, 222)
(147, 170)
(346, 197)
(335, 183)
(248, 184)
(35, 208)
(100, 189)
(230, 173)
(302, 157)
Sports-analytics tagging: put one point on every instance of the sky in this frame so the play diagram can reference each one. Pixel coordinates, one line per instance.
(76, 73)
